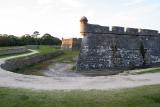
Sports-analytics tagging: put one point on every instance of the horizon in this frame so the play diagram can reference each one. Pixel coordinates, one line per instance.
(60, 18)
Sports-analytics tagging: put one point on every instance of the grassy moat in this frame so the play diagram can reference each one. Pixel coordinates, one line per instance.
(68, 57)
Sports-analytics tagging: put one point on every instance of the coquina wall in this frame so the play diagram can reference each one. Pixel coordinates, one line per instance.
(118, 48)
(71, 44)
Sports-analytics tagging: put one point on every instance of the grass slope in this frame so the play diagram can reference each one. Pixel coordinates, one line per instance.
(6, 47)
(35, 69)
(68, 56)
(149, 70)
(4, 56)
(46, 49)
(42, 50)
(146, 96)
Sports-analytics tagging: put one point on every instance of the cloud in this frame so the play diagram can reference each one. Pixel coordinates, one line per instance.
(72, 3)
(44, 2)
(133, 2)
(60, 3)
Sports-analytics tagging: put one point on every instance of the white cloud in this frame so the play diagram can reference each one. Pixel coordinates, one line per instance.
(44, 2)
(133, 2)
(72, 3)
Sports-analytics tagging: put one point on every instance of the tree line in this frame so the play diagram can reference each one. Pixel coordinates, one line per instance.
(11, 40)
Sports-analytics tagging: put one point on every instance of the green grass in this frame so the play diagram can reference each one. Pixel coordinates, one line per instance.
(146, 96)
(46, 49)
(149, 70)
(68, 56)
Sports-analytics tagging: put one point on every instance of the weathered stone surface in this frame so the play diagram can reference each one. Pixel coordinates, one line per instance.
(97, 51)
(148, 32)
(117, 30)
(132, 31)
(96, 29)
(71, 44)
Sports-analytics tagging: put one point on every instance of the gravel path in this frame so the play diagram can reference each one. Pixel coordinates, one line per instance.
(10, 79)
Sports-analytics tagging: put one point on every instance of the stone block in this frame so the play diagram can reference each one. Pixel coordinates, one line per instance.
(148, 32)
(117, 30)
(96, 29)
(132, 31)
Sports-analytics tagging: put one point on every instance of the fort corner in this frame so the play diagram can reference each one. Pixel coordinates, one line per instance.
(117, 49)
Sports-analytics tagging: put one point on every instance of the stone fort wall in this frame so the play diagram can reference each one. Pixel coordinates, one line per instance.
(71, 44)
(117, 48)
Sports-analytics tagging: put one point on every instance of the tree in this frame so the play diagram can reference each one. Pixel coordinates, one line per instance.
(11, 40)
(27, 40)
(35, 34)
(47, 39)
(143, 52)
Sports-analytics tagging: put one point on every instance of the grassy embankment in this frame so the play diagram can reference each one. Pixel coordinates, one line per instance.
(149, 70)
(4, 56)
(35, 68)
(66, 57)
(146, 96)
(9, 47)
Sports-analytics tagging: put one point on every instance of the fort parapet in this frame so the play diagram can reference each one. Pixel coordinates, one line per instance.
(91, 28)
(118, 48)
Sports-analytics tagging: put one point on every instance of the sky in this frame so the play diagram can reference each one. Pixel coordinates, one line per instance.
(60, 18)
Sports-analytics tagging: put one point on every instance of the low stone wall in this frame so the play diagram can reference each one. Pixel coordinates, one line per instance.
(14, 64)
(15, 50)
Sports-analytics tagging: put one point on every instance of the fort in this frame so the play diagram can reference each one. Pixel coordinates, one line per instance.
(118, 48)
(71, 44)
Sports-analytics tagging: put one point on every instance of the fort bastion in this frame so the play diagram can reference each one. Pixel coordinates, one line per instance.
(118, 48)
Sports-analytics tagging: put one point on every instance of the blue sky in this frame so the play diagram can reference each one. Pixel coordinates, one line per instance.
(61, 17)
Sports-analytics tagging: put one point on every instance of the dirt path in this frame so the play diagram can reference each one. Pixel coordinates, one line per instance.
(10, 79)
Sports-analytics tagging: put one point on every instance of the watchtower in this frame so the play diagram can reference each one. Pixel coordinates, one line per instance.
(83, 25)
